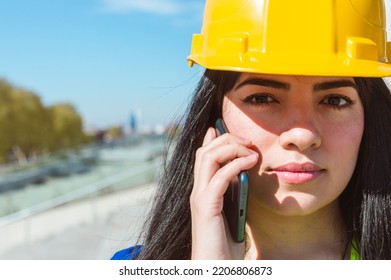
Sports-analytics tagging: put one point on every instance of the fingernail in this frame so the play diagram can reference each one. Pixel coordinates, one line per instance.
(253, 156)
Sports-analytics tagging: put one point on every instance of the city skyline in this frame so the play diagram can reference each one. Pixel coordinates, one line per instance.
(106, 57)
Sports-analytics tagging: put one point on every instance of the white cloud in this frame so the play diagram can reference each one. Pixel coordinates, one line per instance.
(164, 7)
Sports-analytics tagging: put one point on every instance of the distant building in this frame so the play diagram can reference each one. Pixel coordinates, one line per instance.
(134, 122)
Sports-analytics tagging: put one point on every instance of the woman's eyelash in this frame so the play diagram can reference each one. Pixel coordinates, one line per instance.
(335, 101)
(338, 101)
(259, 99)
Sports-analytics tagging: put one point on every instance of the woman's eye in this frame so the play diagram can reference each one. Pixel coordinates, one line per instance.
(338, 101)
(258, 99)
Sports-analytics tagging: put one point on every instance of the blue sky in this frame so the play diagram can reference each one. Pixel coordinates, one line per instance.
(107, 57)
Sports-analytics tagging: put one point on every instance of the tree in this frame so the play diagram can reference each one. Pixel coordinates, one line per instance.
(28, 128)
(31, 124)
(5, 116)
(115, 132)
(67, 126)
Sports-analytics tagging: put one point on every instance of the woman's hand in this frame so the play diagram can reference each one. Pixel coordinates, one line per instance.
(211, 238)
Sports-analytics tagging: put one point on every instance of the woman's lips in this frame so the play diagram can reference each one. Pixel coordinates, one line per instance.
(296, 173)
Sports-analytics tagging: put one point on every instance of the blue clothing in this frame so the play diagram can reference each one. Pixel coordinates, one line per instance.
(128, 253)
(132, 253)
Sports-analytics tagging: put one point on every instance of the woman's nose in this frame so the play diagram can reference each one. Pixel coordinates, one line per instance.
(301, 135)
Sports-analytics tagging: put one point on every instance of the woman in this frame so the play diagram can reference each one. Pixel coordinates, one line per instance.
(309, 118)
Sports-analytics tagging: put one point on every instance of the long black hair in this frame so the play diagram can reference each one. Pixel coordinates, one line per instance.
(365, 203)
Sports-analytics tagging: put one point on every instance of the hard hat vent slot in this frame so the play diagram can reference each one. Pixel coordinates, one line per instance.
(233, 45)
(361, 48)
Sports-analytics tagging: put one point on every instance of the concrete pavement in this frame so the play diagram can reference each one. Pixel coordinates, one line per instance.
(90, 229)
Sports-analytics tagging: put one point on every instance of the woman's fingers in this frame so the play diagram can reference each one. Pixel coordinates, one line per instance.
(223, 176)
(209, 136)
(218, 161)
(220, 151)
(230, 157)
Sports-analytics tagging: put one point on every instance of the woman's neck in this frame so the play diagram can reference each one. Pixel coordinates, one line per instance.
(319, 235)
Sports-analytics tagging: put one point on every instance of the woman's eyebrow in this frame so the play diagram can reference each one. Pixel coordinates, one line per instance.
(334, 84)
(265, 83)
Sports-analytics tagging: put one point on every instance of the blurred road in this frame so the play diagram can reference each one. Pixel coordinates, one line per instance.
(91, 229)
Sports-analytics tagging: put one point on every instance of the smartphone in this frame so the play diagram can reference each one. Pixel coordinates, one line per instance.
(235, 198)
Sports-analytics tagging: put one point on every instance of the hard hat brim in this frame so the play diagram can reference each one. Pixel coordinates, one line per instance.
(305, 66)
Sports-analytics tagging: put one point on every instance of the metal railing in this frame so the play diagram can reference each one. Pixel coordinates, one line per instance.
(83, 192)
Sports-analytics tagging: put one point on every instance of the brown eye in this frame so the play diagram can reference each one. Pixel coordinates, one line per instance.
(337, 102)
(259, 99)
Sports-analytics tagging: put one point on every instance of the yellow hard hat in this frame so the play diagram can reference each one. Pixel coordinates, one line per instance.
(294, 37)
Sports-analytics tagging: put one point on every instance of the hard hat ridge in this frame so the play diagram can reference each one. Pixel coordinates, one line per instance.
(301, 37)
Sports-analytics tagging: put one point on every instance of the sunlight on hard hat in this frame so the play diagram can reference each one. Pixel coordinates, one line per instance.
(388, 19)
